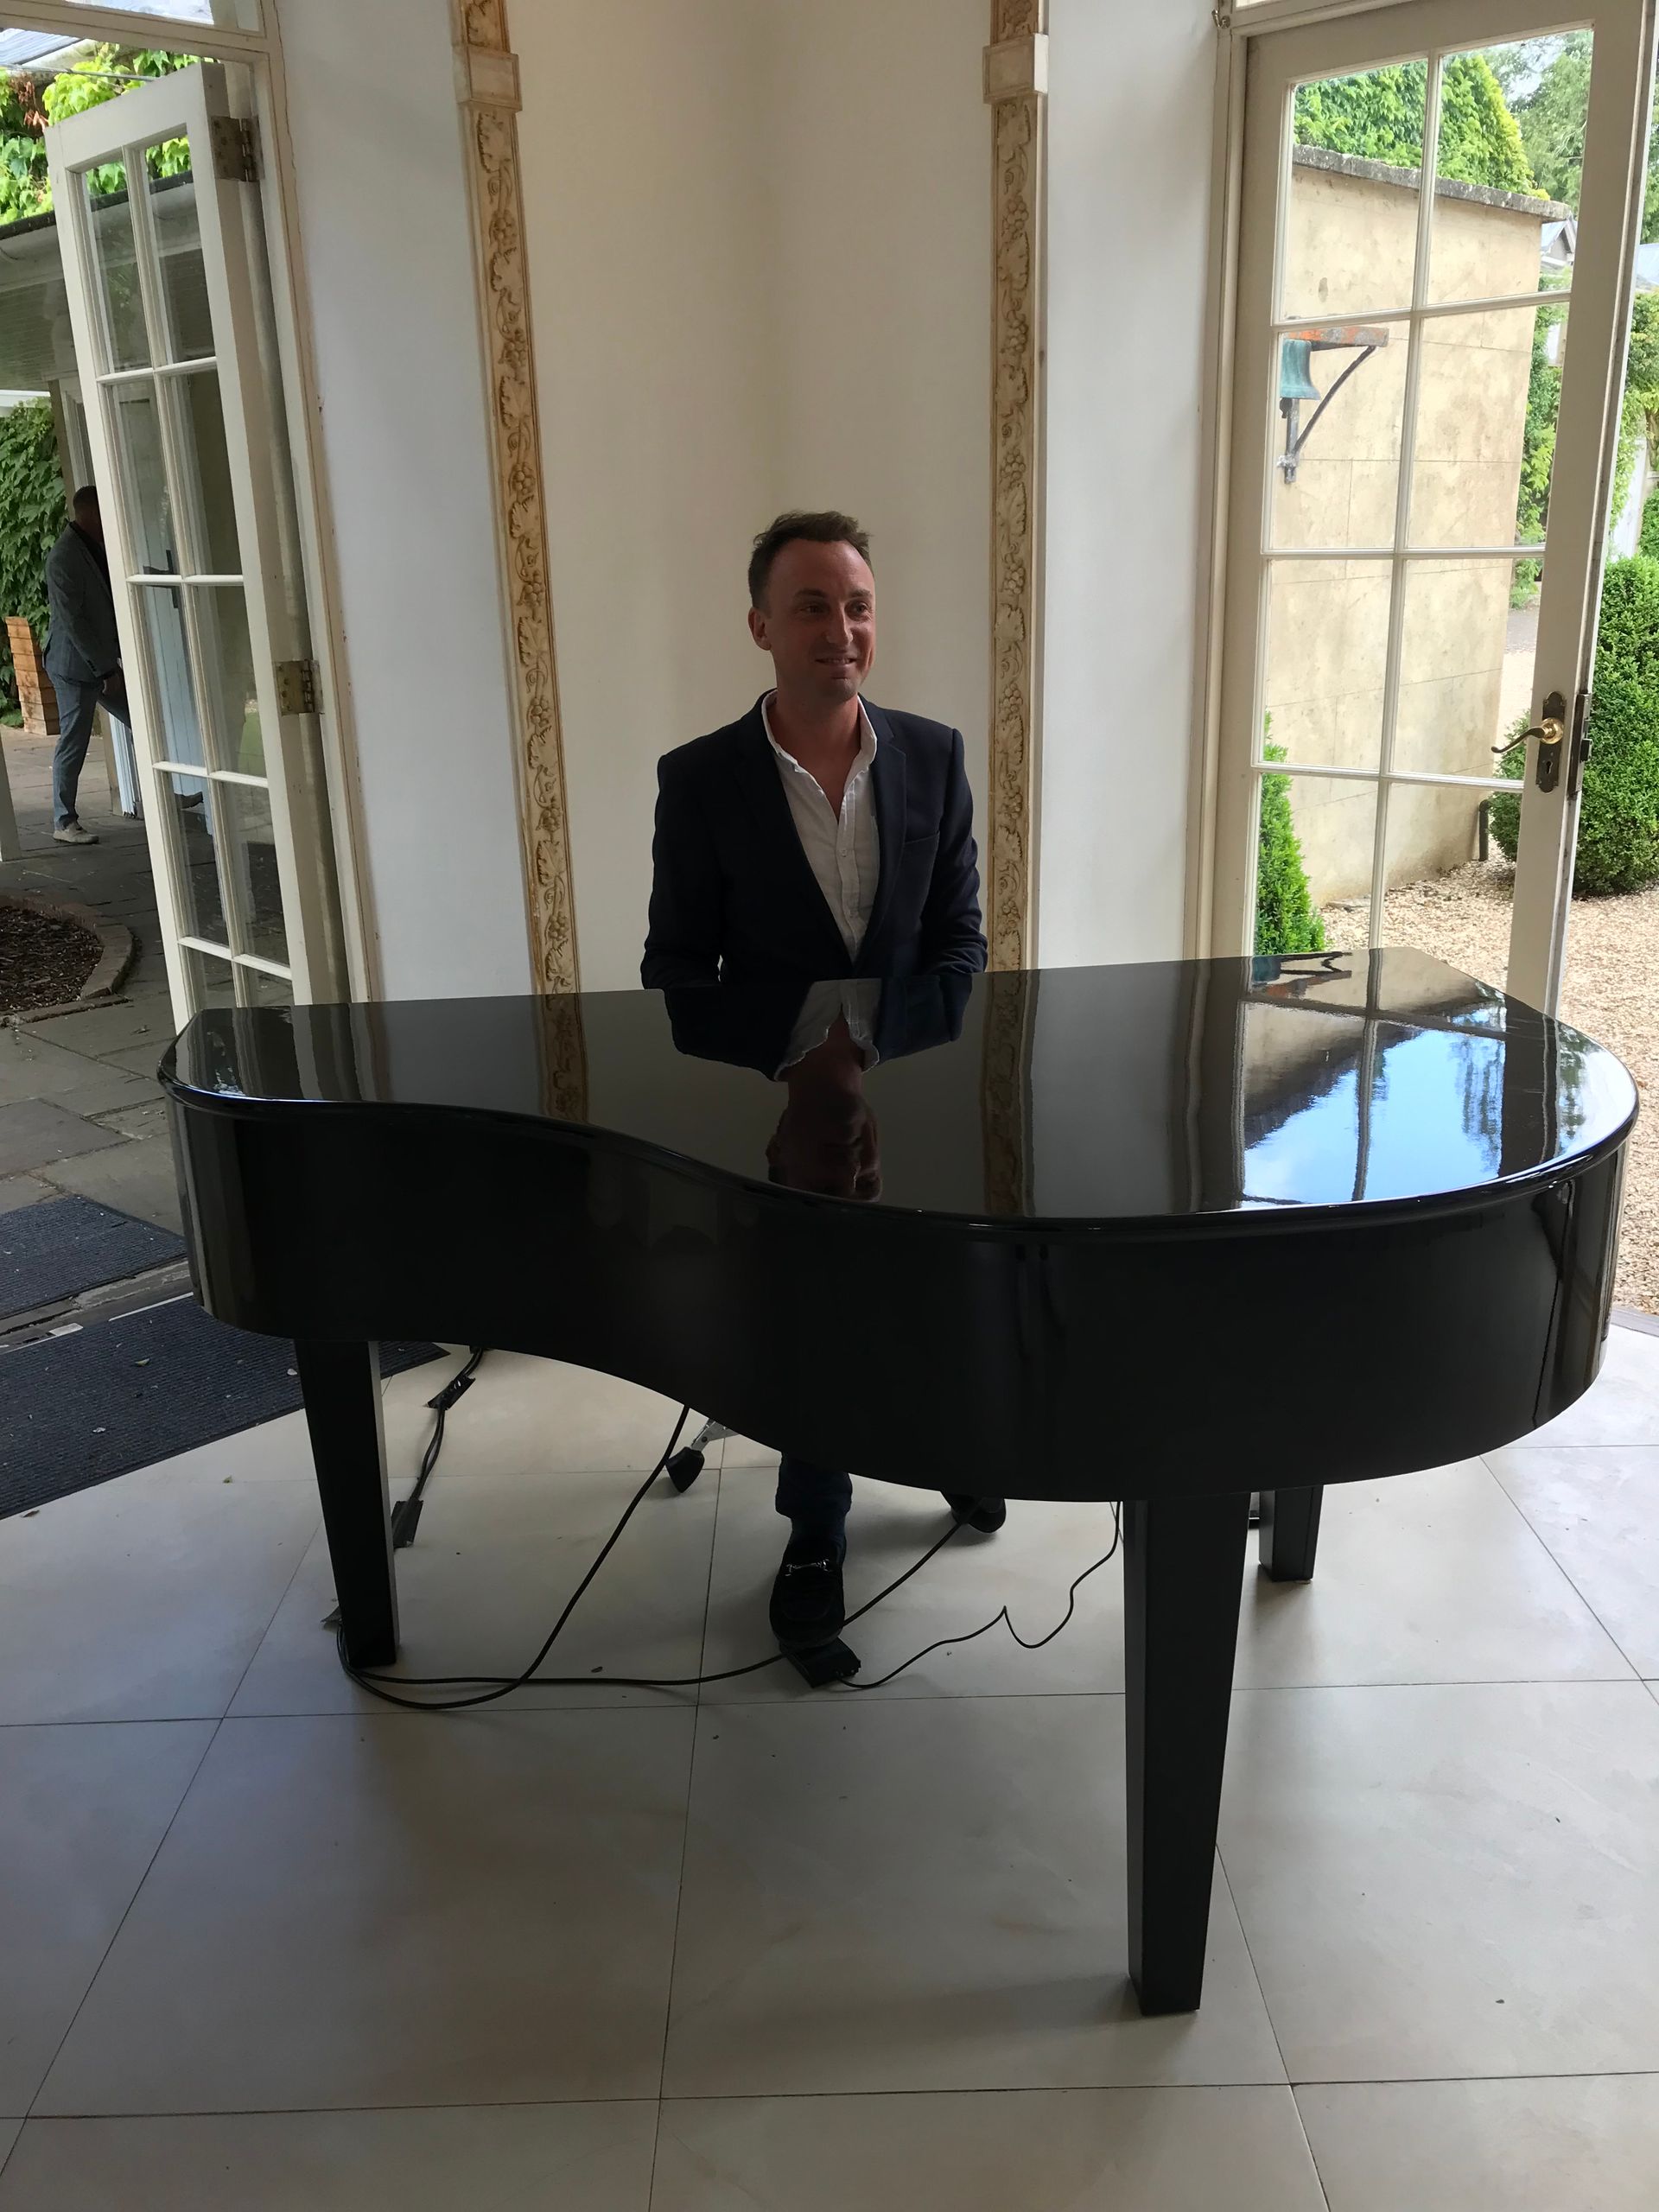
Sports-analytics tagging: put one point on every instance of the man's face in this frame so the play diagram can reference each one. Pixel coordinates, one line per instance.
(818, 621)
(90, 520)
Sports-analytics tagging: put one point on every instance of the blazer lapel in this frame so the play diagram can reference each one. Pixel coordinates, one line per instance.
(778, 844)
(888, 777)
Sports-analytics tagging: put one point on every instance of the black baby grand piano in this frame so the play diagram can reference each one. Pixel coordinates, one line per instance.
(1168, 1234)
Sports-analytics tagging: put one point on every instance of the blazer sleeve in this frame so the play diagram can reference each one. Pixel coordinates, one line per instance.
(682, 932)
(82, 606)
(951, 938)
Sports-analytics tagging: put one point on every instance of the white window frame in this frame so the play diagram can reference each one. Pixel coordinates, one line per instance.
(261, 53)
(1549, 831)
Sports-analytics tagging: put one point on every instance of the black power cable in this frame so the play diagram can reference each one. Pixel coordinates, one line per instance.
(488, 1688)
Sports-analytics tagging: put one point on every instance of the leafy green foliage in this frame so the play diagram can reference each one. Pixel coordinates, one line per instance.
(1380, 116)
(1284, 920)
(1648, 544)
(1547, 81)
(1618, 819)
(31, 515)
(27, 107)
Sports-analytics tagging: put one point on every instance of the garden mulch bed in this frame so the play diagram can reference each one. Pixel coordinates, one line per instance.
(44, 959)
(1611, 991)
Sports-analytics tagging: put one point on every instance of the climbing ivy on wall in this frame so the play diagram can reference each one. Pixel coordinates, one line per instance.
(31, 515)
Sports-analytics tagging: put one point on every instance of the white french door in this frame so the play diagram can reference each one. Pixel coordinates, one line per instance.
(169, 304)
(1410, 579)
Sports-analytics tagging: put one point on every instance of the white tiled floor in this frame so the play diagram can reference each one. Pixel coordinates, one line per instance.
(267, 1943)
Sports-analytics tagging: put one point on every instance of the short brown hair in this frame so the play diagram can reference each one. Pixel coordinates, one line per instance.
(826, 529)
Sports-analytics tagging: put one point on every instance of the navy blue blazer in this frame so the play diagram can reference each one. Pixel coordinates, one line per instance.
(733, 899)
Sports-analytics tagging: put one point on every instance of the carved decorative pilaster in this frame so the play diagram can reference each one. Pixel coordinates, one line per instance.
(1016, 85)
(487, 82)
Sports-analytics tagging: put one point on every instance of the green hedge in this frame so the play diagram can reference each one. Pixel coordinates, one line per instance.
(31, 515)
(1619, 817)
(1648, 544)
(1285, 918)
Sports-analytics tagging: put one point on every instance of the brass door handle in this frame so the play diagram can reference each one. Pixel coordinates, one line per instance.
(1549, 730)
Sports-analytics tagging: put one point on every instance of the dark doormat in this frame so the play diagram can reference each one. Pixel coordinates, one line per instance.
(123, 1393)
(64, 1246)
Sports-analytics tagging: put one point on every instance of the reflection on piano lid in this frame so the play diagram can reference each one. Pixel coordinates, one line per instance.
(1145, 1092)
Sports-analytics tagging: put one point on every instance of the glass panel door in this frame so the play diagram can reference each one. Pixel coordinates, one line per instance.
(163, 273)
(1420, 479)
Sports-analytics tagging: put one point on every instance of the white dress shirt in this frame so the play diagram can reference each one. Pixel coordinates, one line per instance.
(843, 850)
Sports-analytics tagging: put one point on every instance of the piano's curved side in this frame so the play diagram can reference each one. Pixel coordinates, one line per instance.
(1254, 1351)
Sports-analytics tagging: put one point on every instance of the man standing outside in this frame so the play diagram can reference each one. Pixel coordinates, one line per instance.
(827, 844)
(83, 654)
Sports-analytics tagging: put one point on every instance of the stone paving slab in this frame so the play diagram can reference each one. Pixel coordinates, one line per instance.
(136, 1177)
(36, 1132)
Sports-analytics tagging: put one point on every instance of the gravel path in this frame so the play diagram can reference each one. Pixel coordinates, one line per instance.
(1611, 992)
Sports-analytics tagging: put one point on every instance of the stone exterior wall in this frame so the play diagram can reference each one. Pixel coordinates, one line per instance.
(1350, 240)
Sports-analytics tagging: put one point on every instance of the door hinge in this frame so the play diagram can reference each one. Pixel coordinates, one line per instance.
(297, 687)
(236, 149)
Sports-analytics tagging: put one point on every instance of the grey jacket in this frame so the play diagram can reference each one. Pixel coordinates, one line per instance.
(83, 646)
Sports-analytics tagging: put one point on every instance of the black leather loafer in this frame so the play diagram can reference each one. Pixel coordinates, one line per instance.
(807, 1605)
(985, 1514)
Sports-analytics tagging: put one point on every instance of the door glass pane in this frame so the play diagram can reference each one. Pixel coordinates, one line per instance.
(249, 849)
(1451, 889)
(1314, 839)
(236, 14)
(210, 981)
(204, 495)
(161, 626)
(135, 414)
(261, 987)
(117, 265)
(1340, 400)
(1467, 644)
(1355, 166)
(189, 806)
(227, 669)
(1510, 150)
(184, 285)
(1488, 393)
(1328, 651)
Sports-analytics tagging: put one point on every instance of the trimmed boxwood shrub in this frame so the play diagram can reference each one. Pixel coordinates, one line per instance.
(1648, 544)
(1618, 816)
(1285, 918)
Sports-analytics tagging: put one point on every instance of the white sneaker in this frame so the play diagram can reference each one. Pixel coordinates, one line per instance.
(72, 834)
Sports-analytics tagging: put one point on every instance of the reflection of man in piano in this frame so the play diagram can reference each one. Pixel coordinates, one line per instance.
(821, 849)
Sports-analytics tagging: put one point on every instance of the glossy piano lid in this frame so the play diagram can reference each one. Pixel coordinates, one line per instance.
(1154, 1092)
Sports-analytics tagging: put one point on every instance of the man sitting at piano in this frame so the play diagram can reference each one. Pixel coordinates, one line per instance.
(816, 841)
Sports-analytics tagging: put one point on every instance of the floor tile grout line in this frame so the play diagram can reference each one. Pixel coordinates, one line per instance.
(259, 1640)
(115, 1933)
(801, 2096)
(1526, 1521)
(685, 1829)
(1255, 1972)
(667, 1702)
(1312, 2155)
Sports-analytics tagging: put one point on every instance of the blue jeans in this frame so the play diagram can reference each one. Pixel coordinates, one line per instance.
(813, 1500)
(78, 703)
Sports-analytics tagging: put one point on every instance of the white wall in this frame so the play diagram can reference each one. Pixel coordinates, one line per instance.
(879, 161)
(387, 263)
(1130, 151)
(759, 243)
(646, 233)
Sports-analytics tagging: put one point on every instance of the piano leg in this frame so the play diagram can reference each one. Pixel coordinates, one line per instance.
(1288, 1537)
(1183, 1560)
(341, 1383)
